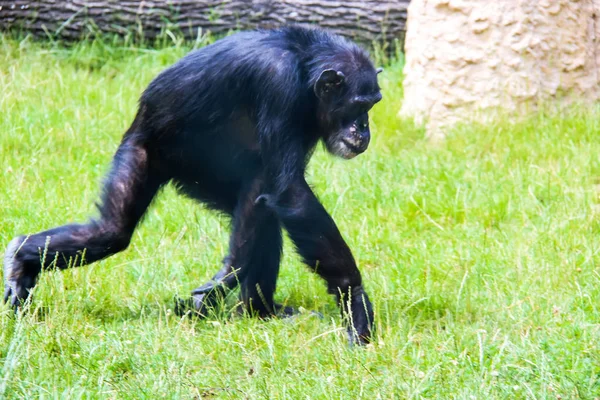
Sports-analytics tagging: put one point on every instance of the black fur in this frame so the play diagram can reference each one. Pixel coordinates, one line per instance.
(234, 125)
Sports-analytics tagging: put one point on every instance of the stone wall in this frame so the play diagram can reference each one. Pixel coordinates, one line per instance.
(467, 56)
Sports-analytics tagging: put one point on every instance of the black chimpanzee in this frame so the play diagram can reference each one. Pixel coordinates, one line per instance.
(233, 125)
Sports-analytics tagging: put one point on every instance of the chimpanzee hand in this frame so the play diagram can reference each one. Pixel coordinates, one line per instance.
(359, 314)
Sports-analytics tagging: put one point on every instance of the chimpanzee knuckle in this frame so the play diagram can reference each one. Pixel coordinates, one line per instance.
(359, 332)
(361, 317)
(358, 339)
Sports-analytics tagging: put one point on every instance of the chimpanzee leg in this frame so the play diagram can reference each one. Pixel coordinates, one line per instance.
(254, 254)
(128, 191)
(262, 264)
(207, 296)
(322, 247)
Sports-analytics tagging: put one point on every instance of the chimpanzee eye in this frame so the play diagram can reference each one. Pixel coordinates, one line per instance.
(364, 125)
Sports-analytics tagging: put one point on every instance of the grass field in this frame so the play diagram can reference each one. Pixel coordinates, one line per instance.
(481, 255)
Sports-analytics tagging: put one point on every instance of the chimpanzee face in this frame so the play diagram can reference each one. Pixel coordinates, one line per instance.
(344, 103)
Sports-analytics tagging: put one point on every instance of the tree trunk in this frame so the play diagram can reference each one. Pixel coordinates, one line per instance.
(475, 57)
(363, 21)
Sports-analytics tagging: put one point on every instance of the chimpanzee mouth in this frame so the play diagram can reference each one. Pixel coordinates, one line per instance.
(352, 147)
(343, 148)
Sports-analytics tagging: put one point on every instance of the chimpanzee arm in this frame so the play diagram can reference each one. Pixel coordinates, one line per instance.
(322, 247)
(311, 228)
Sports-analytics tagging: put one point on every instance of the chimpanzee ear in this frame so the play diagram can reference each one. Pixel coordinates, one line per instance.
(328, 81)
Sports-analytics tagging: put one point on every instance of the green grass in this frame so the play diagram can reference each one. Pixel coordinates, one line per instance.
(481, 255)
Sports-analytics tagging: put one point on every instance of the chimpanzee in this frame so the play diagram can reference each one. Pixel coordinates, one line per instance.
(233, 125)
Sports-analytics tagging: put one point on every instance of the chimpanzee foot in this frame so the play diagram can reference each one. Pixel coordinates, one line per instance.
(17, 280)
(203, 300)
(194, 306)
